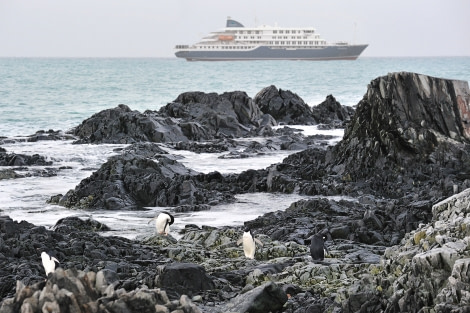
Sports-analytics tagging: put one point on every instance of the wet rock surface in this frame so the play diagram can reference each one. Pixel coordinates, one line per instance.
(391, 199)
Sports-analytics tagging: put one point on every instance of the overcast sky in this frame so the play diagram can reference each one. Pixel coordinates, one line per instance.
(151, 28)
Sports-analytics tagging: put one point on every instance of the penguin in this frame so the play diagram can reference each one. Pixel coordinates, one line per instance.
(50, 263)
(249, 243)
(163, 222)
(317, 247)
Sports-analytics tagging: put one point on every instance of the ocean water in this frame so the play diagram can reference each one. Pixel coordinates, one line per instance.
(54, 93)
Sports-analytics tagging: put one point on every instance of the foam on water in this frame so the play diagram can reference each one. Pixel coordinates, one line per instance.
(25, 198)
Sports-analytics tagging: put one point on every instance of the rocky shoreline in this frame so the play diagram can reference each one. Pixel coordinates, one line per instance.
(400, 243)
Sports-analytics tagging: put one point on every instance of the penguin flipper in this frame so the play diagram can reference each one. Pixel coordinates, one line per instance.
(258, 242)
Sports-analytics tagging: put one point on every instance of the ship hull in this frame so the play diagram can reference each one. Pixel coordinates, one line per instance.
(349, 52)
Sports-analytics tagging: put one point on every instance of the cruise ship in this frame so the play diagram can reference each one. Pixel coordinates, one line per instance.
(237, 42)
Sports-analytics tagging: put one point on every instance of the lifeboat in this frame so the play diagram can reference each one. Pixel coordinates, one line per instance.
(226, 37)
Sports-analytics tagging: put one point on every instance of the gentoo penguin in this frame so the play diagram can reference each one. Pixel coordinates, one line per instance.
(249, 243)
(163, 222)
(317, 247)
(50, 263)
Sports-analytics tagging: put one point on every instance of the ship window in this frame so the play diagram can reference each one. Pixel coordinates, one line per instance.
(282, 42)
(257, 32)
(287, 31)
(293, 31)
(248, 31)
(276, 42)
(281, 32)
(274, 31)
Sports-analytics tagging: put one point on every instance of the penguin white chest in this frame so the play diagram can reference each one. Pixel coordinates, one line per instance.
(249, 245)
(49, 263)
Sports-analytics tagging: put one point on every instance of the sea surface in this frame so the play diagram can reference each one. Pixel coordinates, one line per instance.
(59, 93)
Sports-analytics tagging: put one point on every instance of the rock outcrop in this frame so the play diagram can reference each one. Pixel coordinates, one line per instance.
(143, 175)
(79, 291)
(19, 165)
(122, 125)
(285, 106)
(231, 114)
(400, 144)
(193, 116)
(430, 268)
(332, 113)
(13, 159)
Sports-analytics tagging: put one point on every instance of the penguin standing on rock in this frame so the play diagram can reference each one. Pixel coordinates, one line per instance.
(317, 247)
(49, 262)
(163, 222)
(249, 243)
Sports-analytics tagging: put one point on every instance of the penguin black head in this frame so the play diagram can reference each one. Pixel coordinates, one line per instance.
(172, 218)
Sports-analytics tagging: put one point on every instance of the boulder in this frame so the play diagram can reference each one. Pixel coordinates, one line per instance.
(231, 114)
(408, 136)
(13, 159)
(122, 125)
(403, 120)
(268, 297)
(285, 106)
(183, 279)
(332, 113)
(143, 175)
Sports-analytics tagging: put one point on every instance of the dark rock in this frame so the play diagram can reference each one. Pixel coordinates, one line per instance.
(285, 106)
(231, 114)
(49, 135)
(184, 278)
(265, 298)
(13, 159)
(204, 147)
(136, 179)
(64, 225)
(122, 125)
(332, 113)
(9, 174)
